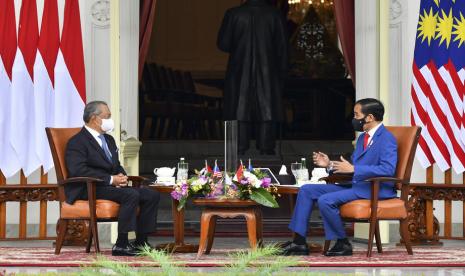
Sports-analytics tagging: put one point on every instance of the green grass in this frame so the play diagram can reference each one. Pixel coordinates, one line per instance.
(262, 262)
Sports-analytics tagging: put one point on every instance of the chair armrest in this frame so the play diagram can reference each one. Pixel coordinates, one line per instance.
(334, 178)
(136, 180)
(385, 179)
(403, 187)
(80, 180)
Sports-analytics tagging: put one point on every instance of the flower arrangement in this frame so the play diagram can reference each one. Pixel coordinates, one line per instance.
(246, 184)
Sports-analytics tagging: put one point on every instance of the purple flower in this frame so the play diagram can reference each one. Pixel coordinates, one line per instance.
(177, 196)
(266, 182)
(244, 181)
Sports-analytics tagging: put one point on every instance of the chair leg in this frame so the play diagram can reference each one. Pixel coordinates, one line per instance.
(252, 229)
(211, 234)
(326, 246)
(406, 235)
(62, 227)
(371, 236)
(89, 240)
(379, 247)
(93, 228)
(204, 225)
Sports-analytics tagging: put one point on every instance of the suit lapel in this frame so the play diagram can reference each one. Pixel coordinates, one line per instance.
(94, 143)
(372, 142)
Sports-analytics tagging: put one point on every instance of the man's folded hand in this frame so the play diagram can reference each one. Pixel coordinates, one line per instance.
(120, 180)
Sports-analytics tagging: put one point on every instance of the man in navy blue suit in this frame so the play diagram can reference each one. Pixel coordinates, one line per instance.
(375, 155)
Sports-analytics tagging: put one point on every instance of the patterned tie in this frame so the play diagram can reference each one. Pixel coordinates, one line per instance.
(365, 140)
(105, 147)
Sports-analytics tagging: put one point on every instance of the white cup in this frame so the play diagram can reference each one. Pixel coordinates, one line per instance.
(318, 173)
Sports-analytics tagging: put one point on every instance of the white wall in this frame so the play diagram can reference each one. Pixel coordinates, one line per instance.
(366, 49)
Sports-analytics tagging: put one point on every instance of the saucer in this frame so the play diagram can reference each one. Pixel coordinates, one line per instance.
(166, 180)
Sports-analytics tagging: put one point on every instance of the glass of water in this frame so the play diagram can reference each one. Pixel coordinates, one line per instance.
(296, 168)
(183, 169)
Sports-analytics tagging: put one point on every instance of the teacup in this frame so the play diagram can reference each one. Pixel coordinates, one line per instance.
(318, 173)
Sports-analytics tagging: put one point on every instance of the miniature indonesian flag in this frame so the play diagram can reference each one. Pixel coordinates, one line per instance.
(239, 173)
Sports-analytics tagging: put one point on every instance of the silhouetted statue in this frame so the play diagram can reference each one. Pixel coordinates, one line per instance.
(254, 34)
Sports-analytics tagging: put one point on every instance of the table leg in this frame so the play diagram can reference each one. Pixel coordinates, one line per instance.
(179, 246)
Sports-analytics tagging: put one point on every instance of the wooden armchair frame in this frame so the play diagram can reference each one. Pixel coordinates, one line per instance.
(58, 139)
(407, 139)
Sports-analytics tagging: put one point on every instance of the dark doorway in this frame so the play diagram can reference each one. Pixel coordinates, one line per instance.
(181, 93)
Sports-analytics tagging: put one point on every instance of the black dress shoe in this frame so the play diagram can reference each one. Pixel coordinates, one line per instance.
(344, 249)
(292, 249)
(128, 250)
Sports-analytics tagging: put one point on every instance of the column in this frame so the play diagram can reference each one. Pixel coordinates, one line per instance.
(372, 70)
(124, 49)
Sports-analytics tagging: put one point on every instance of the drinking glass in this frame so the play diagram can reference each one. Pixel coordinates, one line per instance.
(183, 169)
(296, 168)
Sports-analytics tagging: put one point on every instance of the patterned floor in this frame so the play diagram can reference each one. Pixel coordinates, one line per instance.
(392, 257)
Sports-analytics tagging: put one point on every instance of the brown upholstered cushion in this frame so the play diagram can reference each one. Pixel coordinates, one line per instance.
(387, 209)
(80, 209)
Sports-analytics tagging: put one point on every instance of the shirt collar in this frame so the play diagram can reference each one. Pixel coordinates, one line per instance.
(372, 131)
(93, 132)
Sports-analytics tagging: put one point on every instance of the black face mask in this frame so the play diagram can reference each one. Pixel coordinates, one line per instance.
(358, 124)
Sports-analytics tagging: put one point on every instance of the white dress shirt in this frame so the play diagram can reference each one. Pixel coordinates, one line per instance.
(372, 132)
(94, 134)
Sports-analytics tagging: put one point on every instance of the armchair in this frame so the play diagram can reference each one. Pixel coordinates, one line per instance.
(94, 210)
(389, 209)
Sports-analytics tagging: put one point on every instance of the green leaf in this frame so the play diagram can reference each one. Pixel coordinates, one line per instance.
(263, 197)
(181, 203)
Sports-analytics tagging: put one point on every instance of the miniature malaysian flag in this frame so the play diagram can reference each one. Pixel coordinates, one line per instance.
(216, 170)
(206, 169)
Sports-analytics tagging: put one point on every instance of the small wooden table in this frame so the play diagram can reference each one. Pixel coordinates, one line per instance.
(228, 208)
(179, 246)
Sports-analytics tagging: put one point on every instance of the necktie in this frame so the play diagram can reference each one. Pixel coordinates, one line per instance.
(105, 147)
(365, 140)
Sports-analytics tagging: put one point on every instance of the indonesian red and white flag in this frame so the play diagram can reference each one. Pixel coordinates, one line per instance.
(22, 88)
(70, 89)
(9, 163)
(44, 74)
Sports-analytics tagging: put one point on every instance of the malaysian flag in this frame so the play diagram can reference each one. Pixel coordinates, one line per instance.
(206, 169)
(437, 87)
(216, 170)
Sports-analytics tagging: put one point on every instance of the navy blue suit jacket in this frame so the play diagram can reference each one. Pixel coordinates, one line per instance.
(378, 159)
(85, 157)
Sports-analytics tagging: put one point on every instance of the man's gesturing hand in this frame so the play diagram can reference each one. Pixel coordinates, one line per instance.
(343, 166)
(320, 159)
